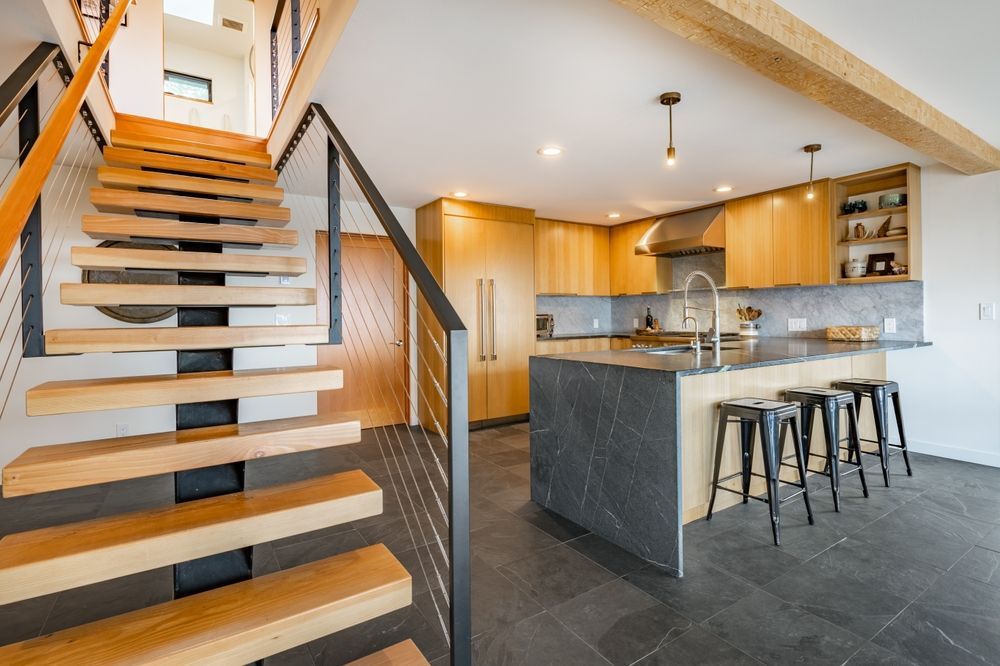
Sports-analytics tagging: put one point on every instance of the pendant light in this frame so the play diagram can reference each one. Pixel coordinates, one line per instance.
(668, 99)
(812, 149)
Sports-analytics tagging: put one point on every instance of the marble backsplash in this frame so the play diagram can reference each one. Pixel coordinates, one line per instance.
(821, 306)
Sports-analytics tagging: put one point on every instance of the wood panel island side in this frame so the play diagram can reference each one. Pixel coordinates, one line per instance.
(622, 442)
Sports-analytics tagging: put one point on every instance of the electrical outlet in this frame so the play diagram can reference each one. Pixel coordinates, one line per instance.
(285, 279)
(889, 324)
(280, 319)
(635, 323)
(121, 430)
(988, 311)
(597, 322)
(797, 324)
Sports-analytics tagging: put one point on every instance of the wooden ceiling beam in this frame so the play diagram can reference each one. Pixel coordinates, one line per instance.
(762, 35)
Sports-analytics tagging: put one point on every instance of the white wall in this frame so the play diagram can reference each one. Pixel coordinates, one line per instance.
(951, 391)
(137, 61)
(229, 89)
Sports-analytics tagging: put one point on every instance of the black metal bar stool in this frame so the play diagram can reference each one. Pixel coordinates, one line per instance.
(773, 417)
(830, 402)
(880, 391)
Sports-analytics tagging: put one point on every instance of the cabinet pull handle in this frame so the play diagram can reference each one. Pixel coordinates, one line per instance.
(788, 284)
(493, 320)
(482, 324)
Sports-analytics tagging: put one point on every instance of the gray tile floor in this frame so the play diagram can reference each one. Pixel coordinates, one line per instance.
(909, 576)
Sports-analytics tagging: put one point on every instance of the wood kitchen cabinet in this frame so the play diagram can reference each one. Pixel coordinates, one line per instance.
(482, 255)
(631, 274)
(547, 346)
(571, 258)
(779, 238)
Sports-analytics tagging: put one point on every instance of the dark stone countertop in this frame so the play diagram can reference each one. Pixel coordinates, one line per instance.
(585, 336)
(754, 353)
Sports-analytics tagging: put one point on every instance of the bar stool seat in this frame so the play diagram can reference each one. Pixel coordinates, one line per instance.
(830, 402)
(773, 417)
(880, 392)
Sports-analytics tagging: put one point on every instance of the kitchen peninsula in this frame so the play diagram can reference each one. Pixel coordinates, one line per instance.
(622, 442)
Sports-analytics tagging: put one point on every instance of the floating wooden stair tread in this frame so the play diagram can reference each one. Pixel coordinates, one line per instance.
(236, 624)
(60, 466)
(97, 340)
(63, 557)
(401, 654)
(130, 227)
(159, 144)
(127, 201)
(122, 258)
(127, 157)
(89, 395)
(131, 179)
(98, 294)
(130, 124)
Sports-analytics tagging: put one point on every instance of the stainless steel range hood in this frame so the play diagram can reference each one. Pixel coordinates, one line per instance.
(695, 232)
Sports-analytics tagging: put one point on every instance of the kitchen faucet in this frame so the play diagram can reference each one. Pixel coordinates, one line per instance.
(713, 333)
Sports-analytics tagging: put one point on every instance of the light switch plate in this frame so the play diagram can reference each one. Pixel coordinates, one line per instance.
(121, 430)
(285, 279)
(988, 311)
(597, 322)
(635, 323)
(797, 324)
(280, 319)
(889, 324)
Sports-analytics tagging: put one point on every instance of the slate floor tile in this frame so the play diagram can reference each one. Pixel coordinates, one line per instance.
(991, 540)
(855, 586)
(918, 533)
(303, 552)
(758, 562)
(975, 508)
(509, 540)
(701, 593)
(108, 598)
(555, 575)
(980, 564)
(955, 622)
(777, 632)
(496, 602)
(540, 640)
(607, 554)
(554, 525)
(698, 646)
(621, 622)
(873, 655)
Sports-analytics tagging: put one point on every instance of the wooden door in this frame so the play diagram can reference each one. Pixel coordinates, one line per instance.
(801, 236)
(749, 242)
(630, 274)
(465, 283)
(511, 314)
(375, 318)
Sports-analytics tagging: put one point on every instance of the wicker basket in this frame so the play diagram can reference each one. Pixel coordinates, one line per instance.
(853, 333)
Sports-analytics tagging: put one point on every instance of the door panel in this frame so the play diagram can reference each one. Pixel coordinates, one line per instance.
(749, 242)
(374, 353)
(511, 335)
(801, 236)
(465, 283)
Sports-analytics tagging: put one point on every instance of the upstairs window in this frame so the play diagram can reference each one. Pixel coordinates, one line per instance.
(187, 86)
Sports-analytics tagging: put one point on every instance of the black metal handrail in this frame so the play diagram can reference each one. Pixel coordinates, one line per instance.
(456, 335)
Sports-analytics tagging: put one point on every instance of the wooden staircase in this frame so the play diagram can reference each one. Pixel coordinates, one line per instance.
(166, 169)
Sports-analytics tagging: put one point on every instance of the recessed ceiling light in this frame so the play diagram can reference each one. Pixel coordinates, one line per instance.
(550, 151)
(614, 215)
(724, 188)
(459, 194)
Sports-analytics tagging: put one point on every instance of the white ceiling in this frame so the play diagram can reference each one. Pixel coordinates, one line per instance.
(215, 38)
(444, 95)
(945, 52)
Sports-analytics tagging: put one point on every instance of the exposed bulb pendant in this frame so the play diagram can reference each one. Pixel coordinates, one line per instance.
(812, 149)
(668, 99)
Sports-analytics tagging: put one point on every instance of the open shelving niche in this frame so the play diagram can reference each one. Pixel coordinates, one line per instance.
(870, 185)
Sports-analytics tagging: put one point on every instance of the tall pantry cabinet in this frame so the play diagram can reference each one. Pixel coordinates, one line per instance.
(483, 257)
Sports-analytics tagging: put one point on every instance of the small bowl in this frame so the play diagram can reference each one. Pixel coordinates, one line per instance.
(891, 200)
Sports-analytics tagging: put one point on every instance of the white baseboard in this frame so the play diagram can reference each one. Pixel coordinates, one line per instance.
(955, 453)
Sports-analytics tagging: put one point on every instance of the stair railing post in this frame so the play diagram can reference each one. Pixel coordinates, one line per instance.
(333, 228)
(274, 70)
(458, 498)
(296, 31)
(32, 330)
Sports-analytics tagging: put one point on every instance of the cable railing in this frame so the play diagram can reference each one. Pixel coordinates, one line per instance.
(380, 325)
(292, 28)
(28, 101)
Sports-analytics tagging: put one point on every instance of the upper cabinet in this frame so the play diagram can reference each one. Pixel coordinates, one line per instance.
(571, 259)
(631, 274)
(779, 239)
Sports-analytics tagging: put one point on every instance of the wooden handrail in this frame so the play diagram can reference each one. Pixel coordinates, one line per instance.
(30, 178)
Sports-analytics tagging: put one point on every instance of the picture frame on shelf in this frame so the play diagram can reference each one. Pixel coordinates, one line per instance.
(92, 9)
(880, 264)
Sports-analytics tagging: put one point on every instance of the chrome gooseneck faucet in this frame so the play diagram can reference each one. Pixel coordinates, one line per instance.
(713, 333)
